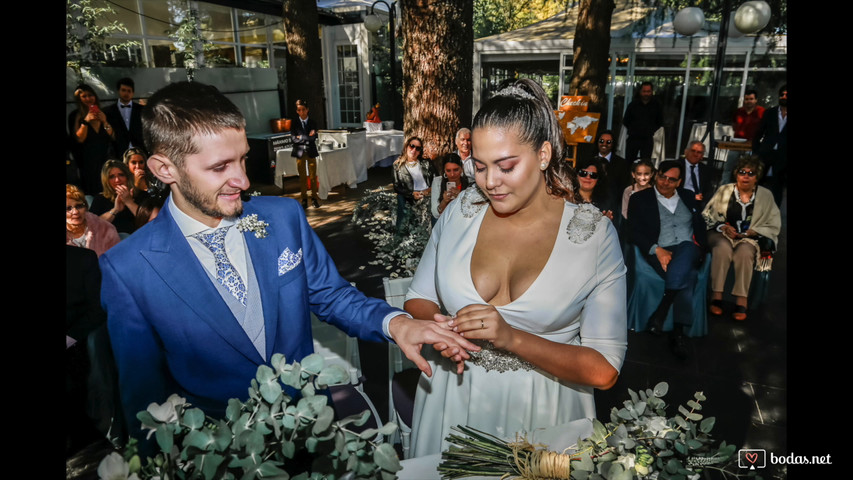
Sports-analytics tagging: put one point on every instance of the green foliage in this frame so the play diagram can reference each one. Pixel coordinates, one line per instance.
(398, 251)
(86, 31)
(260, 438)
(498, 16)
(640, 441)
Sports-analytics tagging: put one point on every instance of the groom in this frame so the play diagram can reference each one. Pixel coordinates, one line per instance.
(214, 286)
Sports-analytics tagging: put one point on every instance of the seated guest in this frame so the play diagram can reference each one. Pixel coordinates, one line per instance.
(135, 159)
(665, 223)
(448, 186)
(642, 171)
(743, 223)
(592, 178)
(616, 167)
(119, 201)
(82, 227)
(412, 179)
(697, 175)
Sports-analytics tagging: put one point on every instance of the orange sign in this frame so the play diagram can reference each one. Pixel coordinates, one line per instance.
(574, 102)
(579, 126)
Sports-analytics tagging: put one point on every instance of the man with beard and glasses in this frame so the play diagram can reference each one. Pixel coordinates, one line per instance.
(215, 285)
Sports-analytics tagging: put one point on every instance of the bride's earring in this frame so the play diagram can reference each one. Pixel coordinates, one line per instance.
(543, 166)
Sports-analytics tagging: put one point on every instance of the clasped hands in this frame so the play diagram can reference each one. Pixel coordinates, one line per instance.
(451, 335)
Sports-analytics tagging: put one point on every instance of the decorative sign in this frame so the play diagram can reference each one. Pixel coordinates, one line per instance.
(579, 126)
(574, 102)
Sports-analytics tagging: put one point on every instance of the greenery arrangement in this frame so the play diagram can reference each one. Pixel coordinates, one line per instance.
(639, 442)
(273, 435)
(86, 29)
(377, 212)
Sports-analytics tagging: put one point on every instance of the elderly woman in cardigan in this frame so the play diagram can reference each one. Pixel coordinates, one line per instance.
(743, 228)
(82, 227)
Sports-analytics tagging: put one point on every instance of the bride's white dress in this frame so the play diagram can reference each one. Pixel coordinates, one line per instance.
(579, 298)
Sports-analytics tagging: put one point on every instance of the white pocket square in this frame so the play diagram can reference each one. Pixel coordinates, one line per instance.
(288, 260)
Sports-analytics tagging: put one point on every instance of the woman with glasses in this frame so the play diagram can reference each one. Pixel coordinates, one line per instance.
(592, 178)
(82, 227)
(743, 228)
(413, 176)
(527, 272)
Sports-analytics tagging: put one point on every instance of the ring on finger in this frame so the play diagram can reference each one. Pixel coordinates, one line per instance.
(482, 324)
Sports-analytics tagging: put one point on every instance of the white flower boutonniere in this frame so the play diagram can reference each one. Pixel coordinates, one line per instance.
(250, 223)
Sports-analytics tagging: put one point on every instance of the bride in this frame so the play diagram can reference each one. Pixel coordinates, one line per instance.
(527, 273)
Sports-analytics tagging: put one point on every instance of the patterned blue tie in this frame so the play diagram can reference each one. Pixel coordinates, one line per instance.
(226, 274)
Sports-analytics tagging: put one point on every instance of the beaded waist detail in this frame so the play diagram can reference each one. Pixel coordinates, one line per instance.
(491, 358)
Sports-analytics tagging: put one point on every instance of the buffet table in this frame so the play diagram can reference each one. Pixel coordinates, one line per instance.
(334, 167)
(355, 142)
(383, 144)
(557, 438)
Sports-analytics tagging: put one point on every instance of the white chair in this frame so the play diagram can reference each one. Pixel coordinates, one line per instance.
(403, 375)
(658, 151)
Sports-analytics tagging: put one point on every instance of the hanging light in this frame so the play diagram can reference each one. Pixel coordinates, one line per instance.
(688, 21)
(752, 16)
(373, 23)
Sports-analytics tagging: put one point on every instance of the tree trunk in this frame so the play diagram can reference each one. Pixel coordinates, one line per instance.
(438, 45)
(304, 69)
(590, 64)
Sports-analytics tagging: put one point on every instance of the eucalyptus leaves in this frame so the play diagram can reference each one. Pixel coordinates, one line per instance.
(269, 436)
(639, 442)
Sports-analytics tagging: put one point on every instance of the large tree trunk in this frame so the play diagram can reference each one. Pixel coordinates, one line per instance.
(438, 45)
(304, 69)
(590, 64)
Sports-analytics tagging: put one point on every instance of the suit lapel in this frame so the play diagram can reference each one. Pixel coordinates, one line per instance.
(174, 261)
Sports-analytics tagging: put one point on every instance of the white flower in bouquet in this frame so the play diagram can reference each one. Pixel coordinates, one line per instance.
(114, 467)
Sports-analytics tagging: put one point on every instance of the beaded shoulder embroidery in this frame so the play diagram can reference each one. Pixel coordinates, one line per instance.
(583, 222)
(472, 200)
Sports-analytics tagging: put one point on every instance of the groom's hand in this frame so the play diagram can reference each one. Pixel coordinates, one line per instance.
(411, 335)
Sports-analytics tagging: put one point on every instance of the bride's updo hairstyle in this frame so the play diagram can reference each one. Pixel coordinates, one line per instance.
(523, 107)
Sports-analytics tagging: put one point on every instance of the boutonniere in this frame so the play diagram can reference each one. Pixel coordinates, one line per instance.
(250, 223)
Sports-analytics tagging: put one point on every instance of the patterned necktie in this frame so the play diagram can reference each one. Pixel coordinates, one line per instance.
(226, 274)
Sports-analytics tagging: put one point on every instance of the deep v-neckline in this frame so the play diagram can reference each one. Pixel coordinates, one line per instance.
(545, 267)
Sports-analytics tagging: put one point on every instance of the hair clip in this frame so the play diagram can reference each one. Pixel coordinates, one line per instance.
(514, 91)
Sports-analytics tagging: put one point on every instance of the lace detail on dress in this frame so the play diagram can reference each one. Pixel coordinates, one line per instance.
(583, 223)
(473, 201)
(492, 358)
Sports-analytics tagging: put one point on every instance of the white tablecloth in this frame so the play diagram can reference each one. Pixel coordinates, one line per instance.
(334, 167)
(382, 144)
(557, 438)
(356, 144)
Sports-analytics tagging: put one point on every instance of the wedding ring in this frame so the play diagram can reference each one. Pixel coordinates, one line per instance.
(482, 325)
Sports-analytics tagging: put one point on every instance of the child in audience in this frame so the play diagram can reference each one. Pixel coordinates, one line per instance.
(643, 171)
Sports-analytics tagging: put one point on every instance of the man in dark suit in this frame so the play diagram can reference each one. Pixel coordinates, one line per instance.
(126, 117)
(643, 117)
(697, 175)
(665, 223)
(215, 285)
(616, 168)
(771, 145)
(303, 131)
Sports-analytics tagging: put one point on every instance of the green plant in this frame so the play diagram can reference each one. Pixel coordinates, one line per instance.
(398, 251)
(86, 31)
(640, 442)
(269, 436)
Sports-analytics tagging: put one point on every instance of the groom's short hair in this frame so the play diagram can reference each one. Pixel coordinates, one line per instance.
(179, 111)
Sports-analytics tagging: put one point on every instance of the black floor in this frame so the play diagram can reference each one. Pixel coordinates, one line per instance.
(740, 366)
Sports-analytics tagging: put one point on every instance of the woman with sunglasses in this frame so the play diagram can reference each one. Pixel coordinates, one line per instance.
(527, 272)
(82, 227)
(743, 228)
(413, 176)
(592, 178)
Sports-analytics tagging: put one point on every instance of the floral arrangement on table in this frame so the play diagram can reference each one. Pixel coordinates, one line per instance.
(272, 435)
(639, 442)
(377, 212)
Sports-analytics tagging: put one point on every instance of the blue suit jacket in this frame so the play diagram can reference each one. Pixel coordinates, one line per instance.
(172, 332)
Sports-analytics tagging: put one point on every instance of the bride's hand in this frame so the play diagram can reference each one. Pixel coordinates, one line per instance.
(452, 353)
(485, 323)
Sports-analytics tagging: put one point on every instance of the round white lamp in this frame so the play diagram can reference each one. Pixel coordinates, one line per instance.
(373, 23)
(752, 16)
(688, 21)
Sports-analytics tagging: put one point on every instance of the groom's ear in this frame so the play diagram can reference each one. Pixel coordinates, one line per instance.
(162, 167)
